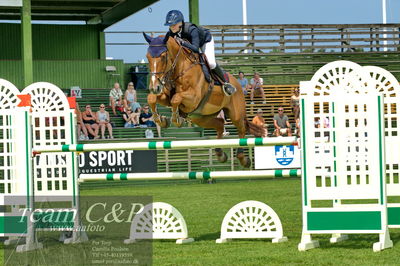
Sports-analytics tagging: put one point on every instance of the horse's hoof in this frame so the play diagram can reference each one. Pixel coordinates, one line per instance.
(244, 161)
(177, 121)
(247, 163)
(164, 123)
(222, 158)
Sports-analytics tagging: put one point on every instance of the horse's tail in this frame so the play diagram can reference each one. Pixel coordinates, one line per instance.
(253, 129)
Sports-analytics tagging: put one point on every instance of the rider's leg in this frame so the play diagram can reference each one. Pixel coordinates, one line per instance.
(208, 49)
(229, 89)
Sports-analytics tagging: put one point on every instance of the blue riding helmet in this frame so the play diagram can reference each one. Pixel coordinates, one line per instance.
(173, 17)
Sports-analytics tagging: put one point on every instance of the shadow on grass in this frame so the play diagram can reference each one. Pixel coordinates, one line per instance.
(355, 241)
(209, 236)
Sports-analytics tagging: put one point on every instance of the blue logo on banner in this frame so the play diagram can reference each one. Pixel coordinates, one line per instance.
(284, 154)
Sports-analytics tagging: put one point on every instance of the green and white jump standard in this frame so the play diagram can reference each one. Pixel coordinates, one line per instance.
(46, 118)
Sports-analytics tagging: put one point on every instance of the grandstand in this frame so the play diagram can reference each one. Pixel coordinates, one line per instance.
(284, 55)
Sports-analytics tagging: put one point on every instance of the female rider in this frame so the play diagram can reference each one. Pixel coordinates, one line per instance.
(199, 41)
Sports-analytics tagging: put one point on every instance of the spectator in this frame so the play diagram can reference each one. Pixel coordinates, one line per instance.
(146, 119)
(294, 102)
(326, 122)
(257, 87)
(317, 122)
(243, 82)
(103, 119)
(82, 130)
(89, 120)
(116, 98)
(298, 127)
(259, 121)
(131, 118)
(281, 123)
(130, 98)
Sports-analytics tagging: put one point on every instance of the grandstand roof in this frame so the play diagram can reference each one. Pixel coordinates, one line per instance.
(104, 12)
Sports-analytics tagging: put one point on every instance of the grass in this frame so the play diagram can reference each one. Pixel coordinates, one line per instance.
(204, 207)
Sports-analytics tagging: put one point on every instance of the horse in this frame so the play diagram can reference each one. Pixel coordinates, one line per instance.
(177, 81)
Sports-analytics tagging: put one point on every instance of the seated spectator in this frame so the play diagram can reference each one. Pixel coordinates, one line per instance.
(103, 119)
(325, 124)
(116, 98)
(146, 119)
(257, 87)
(89, 120)
(259, 121)
(244, 83)
(131, 118)
(295, 103)
(297, 127)
(281, 123)
(82, 131)
(130, 99)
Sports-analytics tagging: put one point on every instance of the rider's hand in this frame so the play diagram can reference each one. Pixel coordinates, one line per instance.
(180, 41)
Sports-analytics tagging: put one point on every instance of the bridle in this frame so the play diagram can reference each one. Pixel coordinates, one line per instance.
(166, 76)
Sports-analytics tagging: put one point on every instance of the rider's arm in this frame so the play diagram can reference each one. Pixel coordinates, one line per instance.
(194, 46)
(169, 34)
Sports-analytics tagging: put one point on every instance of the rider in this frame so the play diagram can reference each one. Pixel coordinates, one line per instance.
(200, 40)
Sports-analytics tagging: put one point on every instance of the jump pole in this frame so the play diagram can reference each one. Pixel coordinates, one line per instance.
(190, 175)
(168, 145)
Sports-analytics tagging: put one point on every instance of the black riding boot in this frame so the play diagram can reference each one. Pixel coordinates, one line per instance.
(228, 88)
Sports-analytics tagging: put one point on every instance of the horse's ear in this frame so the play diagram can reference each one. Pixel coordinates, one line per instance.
(148, 38)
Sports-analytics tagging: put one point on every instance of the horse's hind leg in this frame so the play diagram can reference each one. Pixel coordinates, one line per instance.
(218, 125)
(241, 129)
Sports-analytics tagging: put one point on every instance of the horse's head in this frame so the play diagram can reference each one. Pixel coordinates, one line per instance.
(157, 54)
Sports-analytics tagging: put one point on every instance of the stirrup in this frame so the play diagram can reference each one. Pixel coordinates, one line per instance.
(228, 89)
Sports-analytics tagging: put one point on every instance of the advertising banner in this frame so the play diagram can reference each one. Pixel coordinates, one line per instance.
(277, 157)
(117, 162)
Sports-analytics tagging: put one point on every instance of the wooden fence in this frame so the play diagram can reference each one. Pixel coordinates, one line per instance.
(290, 38)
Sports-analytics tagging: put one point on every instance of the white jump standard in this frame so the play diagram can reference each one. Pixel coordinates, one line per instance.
(345, 163)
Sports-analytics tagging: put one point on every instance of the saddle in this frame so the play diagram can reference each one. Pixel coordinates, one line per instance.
(209, 75)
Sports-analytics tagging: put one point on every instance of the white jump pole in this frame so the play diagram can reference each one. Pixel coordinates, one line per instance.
(169, 145)
(190, 175)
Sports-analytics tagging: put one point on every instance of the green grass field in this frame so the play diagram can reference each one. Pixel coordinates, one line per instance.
(204, 207)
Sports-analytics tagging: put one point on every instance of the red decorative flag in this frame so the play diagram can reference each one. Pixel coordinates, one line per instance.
(25, 100)
(72, 102)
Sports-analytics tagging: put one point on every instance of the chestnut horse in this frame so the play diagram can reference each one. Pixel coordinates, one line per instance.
(177, 80)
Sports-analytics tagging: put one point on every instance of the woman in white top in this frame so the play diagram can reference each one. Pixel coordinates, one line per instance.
(130, 98)
(103, 119)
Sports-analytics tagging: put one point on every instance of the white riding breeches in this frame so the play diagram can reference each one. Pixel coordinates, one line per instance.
(208, 49)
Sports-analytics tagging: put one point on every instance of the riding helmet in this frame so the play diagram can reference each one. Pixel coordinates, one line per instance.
(173, 17)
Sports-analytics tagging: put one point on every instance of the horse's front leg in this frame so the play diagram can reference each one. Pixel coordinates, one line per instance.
(152, 101)
(175, 102)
